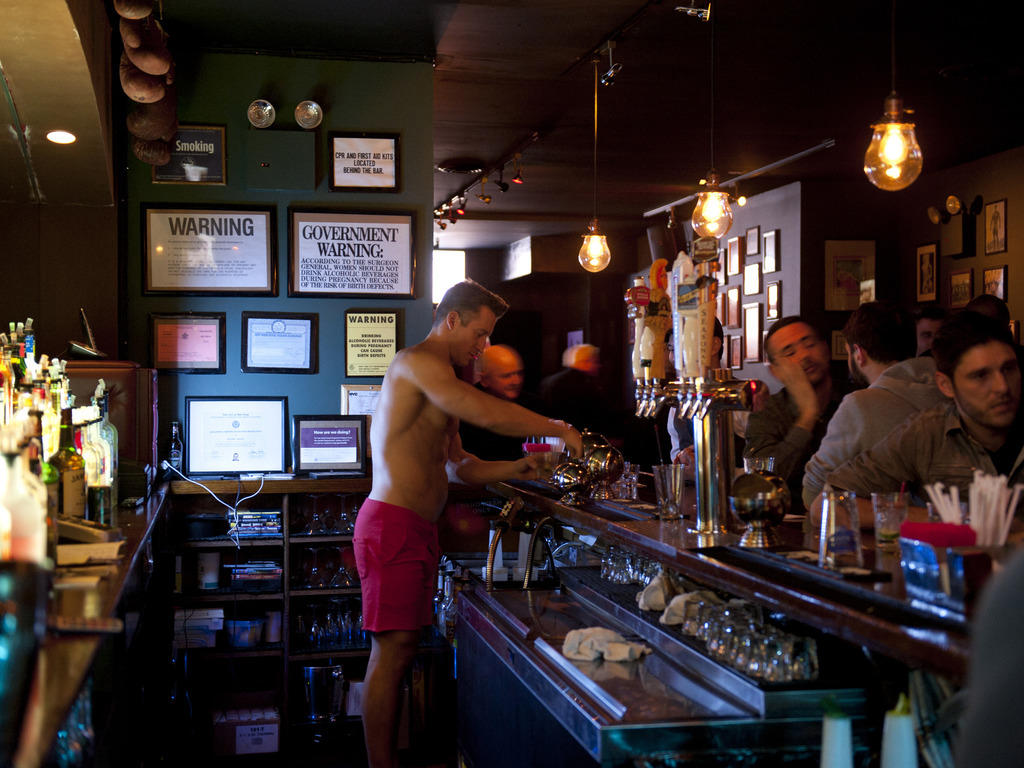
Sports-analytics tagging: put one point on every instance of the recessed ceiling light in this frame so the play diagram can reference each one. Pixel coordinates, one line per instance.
(61, 137)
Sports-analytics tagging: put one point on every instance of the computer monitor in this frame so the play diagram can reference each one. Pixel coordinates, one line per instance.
(329, 445)
(231, 436)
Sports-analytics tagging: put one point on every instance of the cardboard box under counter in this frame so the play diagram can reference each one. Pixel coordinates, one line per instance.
(253, 727)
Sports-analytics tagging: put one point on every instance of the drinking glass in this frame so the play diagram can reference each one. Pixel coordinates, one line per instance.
(890, 512)
(669, 482)
(839, 535)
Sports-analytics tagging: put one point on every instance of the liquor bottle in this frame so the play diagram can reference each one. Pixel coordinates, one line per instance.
(70, 468)
(109, 433)
(51, 424)
(28, 513)
(50, 480)
(176, 452)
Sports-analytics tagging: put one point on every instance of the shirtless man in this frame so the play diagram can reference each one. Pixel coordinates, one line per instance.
(416, 451)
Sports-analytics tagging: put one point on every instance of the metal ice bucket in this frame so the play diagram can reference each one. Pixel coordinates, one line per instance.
(325, 691)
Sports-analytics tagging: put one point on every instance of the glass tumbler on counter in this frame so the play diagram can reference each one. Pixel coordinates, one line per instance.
(839, 535)
(890, 511)
(669, 482)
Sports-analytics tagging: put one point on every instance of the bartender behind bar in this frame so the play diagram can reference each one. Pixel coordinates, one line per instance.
(501, 373)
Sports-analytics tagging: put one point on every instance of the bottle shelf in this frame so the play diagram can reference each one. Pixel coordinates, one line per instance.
(260, 651)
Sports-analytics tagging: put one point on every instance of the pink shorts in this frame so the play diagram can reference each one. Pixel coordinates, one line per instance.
(396, 555)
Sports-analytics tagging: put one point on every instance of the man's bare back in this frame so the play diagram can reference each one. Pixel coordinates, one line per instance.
(414, 436)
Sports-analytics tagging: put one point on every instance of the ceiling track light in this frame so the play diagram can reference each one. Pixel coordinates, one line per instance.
(501, 183)
(696, 8)
(483, 197)
(608, 78)
(517, 166)
(594, 254)
(893, 159)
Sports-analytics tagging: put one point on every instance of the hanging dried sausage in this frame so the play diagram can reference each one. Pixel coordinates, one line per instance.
(151, 54)
(133, 9)
(158, 120)
(153, 152)
(138, 85)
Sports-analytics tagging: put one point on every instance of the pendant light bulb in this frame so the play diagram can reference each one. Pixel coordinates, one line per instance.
(594, 254)
(893, 160)
(712, 216)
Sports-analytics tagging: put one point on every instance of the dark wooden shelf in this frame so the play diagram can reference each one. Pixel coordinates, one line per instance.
(330, 592)
(320, 538)
(325, 653)
(296, 485)
(260, 651)
(226, 595)
(226, 541)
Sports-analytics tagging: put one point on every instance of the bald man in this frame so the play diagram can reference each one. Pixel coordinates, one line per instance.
(501, 373)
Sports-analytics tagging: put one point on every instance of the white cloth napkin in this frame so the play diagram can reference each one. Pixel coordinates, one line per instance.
(597, 642)
(653, 596)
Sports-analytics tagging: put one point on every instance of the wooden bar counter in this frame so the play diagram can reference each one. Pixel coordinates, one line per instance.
(876, 614)
(66, 660)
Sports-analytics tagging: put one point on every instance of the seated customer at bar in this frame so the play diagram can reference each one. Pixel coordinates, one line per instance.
(981, 428)
(501, 374)
(927, 321)
(793, 422)
(879, 336)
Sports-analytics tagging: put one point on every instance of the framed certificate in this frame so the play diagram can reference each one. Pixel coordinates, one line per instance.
(359, 399)
(209, 251)
(188, 343)
(279, 342)
(351, 254)
(372, 337)
(367, 162)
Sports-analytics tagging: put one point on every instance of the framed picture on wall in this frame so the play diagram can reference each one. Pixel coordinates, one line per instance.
(367, 162)
(204, 250)
(735, 351)
(993, 281)
(961, 287)
(335, 253)
(191, 342)
(752, 332)
(839, 351)
(847, 263)
(753, 241)
(733, 259)
(197, 156)
(927, 272)
(770, 246)
(279, 342)
(372, 338)
(732, 307)
(751, 279)
(995, 226)
(1015, 331)
(720, 308)
(773, 301)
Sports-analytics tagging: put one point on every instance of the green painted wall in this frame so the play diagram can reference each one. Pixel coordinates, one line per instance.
(215, 89)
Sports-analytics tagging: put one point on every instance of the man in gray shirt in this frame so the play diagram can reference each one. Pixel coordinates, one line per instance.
(792, 423)
(980, 429)
(878, 335)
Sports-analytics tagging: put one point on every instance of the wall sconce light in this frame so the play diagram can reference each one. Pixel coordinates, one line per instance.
(483, 197)
(261, 114)
(308, 114)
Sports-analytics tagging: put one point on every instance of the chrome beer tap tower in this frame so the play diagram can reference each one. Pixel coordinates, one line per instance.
(706, 396)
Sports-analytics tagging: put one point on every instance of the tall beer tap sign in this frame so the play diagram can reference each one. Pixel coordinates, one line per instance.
(637, 298)
(658, 319)
(696, 301)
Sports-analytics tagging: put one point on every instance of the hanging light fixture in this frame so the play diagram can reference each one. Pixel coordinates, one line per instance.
(893, 160)
(518, 178)
(483, 197)
(712, 216)
(594, 254)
